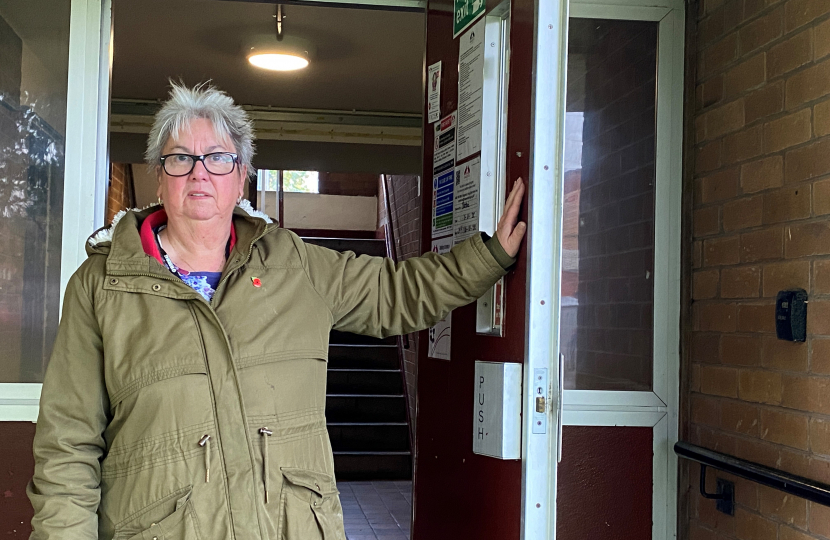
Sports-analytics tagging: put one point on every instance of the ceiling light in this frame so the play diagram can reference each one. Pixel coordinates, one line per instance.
(279, 52)
(277, 61)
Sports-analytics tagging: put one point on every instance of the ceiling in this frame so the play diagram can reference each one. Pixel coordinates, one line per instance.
(366, 60)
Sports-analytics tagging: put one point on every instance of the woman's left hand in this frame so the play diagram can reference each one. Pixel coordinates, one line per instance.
(508, 232)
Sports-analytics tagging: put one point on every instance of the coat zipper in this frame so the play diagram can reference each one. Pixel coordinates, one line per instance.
(204, 442)
(265, 433)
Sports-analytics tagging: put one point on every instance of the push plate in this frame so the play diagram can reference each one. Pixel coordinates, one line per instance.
(540, 395)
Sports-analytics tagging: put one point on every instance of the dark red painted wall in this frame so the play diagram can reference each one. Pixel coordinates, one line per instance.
(16, 467)
(604, 483)
(459, 494)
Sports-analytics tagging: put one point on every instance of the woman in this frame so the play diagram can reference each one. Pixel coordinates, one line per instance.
(185, 397)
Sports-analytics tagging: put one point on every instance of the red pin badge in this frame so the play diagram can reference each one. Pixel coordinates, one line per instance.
(256, 281)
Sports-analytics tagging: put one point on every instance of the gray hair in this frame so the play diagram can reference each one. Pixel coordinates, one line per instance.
(202, 101)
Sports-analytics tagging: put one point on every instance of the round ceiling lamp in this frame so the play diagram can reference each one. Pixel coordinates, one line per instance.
(285, 53)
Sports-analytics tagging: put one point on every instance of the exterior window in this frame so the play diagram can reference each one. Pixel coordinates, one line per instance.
(34, 55)
(293, 181)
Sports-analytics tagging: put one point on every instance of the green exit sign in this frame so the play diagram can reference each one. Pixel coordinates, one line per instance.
(465, 13)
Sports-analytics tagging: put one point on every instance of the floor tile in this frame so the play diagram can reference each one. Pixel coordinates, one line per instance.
(376, 510)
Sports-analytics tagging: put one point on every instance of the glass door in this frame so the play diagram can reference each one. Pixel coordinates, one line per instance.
(620, 259)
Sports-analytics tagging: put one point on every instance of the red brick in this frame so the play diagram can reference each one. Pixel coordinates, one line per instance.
(706, 348)
(786, 275)
(800, 12)
(820, 356)
(806, 393)
(741, 282)
(760, 245)
(785, 355)
(747, 75)
(695, 378)
(719, 381)
(762, 174)
(697, 254)
(720, 251)
(788, 131)
(742, 213)
(715, 317)
(818, 317)
(759, 386)
(708, 158)
(761, 31)
(705, 284)
(706, 221)
(821, 197)
(821, 118)
(821, 277)
(808, 161)
(740, 350)
(742, 145)
(739, 417)
(805, 239)
(757, 451)
(764, 102)
(820, 436)
(820, 519)
(785, 428)
(787, 204)
(790, 54)
(719, 186)
(705, 410)
(724, 119)
(789, 509)
(717, 56)
(807, 85)
(710, 28)
(751, 526)
(822, 40)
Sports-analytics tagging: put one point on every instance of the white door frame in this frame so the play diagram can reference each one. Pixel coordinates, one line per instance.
(657, 409)
(86, 162)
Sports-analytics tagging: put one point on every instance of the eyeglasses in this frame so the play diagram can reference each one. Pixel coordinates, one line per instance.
(219, 163)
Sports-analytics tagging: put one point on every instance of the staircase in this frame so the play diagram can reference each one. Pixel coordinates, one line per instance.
(365, 402)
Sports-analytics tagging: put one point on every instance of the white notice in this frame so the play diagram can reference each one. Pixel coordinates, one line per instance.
(439, 335)
(470, 83)
(434, 92)
(466, 200)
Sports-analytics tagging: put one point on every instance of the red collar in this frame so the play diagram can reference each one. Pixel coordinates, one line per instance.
(148, 237)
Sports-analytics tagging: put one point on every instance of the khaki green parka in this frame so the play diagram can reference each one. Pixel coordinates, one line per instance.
(154, 399)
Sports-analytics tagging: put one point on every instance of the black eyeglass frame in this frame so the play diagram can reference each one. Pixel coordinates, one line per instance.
(202, 159)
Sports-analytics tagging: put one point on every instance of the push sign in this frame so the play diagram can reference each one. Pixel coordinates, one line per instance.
(465, 13)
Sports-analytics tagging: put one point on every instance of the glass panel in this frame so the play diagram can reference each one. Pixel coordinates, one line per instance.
(608, 234)
(34, 52)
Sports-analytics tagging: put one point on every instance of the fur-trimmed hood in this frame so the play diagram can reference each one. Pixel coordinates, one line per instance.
(104, 234)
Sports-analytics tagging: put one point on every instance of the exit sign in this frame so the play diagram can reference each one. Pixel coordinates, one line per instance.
(465, 13)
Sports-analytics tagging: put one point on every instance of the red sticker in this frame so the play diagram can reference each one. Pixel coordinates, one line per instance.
(256, 282)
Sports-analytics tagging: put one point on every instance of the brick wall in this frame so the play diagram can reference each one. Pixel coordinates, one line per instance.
(120, 194)
(351, 184)
(405, 207)
(616, 205)
(761, 223)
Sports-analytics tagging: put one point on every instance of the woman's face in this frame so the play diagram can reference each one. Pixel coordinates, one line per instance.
(200, 195)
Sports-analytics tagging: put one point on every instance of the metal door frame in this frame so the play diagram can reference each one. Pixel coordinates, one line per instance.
(659, 408)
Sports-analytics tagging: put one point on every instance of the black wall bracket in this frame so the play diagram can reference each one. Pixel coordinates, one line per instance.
(724, 496)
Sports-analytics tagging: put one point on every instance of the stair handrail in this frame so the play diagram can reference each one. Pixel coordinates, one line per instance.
(792, 484)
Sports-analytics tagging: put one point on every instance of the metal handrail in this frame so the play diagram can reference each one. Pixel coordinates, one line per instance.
(799, 486)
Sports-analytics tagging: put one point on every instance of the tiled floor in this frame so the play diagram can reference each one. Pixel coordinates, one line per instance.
(376, 510)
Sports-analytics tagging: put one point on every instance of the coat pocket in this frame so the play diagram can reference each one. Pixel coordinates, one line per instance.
(310, 508)
(181, 524)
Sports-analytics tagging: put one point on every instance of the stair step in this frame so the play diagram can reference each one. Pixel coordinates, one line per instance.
(357, 357)
(369, 437)
(373, 465)
(347, 338)
(360, 246)
(365, 408)
(365, 381)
